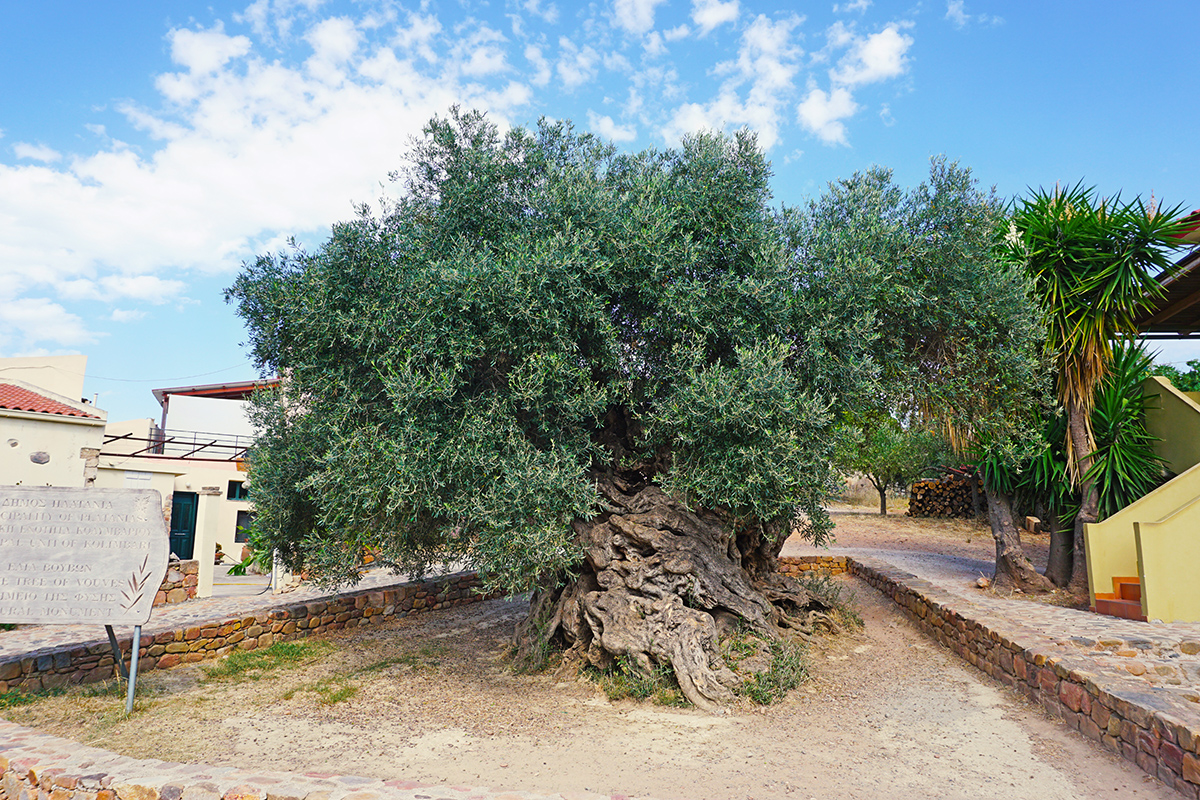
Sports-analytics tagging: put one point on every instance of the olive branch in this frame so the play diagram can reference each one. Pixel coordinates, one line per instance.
(137, 584)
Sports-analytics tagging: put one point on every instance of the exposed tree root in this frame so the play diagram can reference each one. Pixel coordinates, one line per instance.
(660, 584)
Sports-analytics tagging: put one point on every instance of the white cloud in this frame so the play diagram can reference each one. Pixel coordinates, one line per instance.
(248, 146)
(874, 58)
(116, 288)
(36, 152)
(676, 33)
(480, 52)
(206, 51)
(124, 315)
(605, 127)
(708, 14)
(25, 320)
(273, 20)
(855, 5)
(635, 16)
(653, 45)
(419, 36)
(767, 60)
(956, 14)
(541, 76)
(822, 113)
(885, 114)
(575, 65)
(548, 13)
(334, 42)
(615, 62)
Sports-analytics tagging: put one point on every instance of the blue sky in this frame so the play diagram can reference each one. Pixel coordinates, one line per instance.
(147, 149)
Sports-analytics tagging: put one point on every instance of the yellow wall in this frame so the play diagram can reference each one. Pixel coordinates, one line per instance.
(59, 374)
(1173, 417)
(138, 430)
(1150, 538)
(1168, 552)
(1112, 544)
(216, 516)
(127, 474)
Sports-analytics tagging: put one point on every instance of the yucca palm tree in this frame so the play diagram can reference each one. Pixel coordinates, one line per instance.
(1094, 265)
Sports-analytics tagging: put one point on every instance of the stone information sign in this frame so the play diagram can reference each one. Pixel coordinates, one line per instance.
(80, 555)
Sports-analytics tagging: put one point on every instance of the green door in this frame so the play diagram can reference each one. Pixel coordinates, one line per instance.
(183, 523)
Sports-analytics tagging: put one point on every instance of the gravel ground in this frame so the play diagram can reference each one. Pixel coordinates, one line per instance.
(886, 713)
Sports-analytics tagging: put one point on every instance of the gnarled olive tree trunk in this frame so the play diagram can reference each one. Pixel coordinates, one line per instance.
(660, 584)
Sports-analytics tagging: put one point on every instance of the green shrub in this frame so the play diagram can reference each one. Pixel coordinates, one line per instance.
(833, 594)
(255, 664)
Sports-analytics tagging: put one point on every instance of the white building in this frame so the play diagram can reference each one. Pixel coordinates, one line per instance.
(194, 457)
(48, 436)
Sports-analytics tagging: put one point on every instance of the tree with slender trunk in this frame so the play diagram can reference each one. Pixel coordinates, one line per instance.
(1093, 264)
(959, 338)
(888, 454)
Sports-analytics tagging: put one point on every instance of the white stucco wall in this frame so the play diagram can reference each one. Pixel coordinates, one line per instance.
(216, 515)
(24, 435)
(208, 414)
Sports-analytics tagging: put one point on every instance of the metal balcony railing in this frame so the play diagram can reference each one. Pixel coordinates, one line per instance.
(192, 445)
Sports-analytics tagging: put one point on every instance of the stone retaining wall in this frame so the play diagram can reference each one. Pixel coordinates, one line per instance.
(1156, 730)
(826, 565)
(179, 584)
(74, 664)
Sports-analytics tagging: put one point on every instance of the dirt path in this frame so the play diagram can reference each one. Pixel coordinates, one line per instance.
(887, 714)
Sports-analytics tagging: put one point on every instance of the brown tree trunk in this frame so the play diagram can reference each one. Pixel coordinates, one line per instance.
(1013, 568)
(660, 584)
(1062, 543)
(1089, 508)
(978, 500)
(882, 489)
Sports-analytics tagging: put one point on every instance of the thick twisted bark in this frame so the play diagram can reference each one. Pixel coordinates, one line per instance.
(660, 584)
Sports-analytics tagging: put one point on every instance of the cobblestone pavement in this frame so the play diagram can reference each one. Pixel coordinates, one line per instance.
(150, 779)
(1166, 656)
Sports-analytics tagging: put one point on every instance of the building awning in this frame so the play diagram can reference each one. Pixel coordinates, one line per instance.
(1178, 312)
(240, 390)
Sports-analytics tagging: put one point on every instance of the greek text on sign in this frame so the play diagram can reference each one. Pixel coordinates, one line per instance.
(80, 555)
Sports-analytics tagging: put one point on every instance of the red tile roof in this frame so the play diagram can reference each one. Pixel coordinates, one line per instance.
(17, 398)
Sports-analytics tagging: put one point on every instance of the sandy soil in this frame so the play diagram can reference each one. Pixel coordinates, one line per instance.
(886, 714)
(862, 526)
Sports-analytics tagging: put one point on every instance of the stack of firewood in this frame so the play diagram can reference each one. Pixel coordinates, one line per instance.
(949, 496)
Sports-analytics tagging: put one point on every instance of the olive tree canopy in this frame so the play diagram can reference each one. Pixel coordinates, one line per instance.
(592, 374)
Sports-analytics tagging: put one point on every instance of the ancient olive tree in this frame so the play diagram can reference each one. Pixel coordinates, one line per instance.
(959, 339)
(587, 374)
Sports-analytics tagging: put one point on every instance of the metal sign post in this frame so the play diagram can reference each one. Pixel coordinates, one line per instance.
(130, 675)
(82, 555)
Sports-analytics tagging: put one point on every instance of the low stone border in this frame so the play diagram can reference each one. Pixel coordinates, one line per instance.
(1156, 730)
(179, 584)
(827, 565)
(54, 667)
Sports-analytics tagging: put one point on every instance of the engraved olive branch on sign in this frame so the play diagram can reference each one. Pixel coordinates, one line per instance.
(137, 584)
